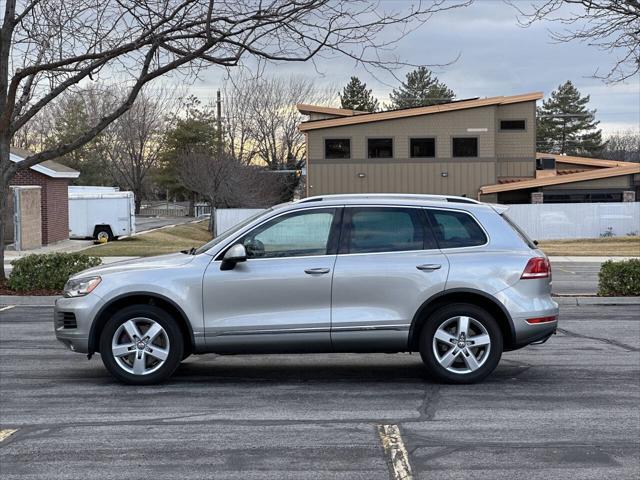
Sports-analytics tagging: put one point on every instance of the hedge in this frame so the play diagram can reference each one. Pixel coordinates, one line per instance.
(49, 271)
(619, 279)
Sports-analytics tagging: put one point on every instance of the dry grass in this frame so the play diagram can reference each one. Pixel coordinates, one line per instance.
(165, 240)
(598, 247)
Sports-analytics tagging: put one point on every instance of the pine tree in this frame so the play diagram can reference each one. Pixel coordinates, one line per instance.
(420, 89)
(355, 96)
(565, 125)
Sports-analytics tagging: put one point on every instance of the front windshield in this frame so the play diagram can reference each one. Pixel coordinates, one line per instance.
(228, 233)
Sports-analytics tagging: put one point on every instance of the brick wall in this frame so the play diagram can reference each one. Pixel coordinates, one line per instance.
(54, 202)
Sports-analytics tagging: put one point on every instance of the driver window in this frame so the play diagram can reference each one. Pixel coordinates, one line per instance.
(295, 235)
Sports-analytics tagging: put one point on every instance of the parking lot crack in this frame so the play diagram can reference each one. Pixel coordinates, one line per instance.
(429, 405)
(615, 343)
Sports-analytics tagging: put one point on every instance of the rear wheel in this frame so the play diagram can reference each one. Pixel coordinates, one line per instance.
(461, 343)
(103, 234)
(141, 345)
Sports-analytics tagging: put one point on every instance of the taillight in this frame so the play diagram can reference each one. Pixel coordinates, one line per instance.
(537, 267)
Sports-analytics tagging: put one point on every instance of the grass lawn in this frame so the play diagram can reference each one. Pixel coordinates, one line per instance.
(597, 247)
(165, 240)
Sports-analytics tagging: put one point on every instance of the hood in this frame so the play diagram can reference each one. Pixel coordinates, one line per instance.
(171, 260)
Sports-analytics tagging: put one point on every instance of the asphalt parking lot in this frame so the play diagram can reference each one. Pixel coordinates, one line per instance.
(565, 409)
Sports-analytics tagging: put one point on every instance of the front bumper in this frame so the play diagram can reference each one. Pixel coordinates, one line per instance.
(72, 320)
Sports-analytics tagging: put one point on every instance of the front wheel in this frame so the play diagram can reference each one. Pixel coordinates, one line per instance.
(141, 345)
(461, 343)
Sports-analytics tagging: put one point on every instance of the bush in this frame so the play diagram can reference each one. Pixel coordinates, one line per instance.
(47, 272)
(620, 279)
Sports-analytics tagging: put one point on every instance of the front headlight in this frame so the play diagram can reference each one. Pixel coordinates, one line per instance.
(80, 287)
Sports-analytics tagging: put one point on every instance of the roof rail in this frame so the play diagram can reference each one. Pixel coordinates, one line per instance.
(406, 196)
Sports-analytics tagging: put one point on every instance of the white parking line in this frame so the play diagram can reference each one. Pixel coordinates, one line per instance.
(8, 307)
(6, 433)
(397, 456)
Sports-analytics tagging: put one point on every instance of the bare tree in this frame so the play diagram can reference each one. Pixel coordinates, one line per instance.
(224, 181)
(135, 139)
(623, 146)
(261, 123)
(48, 46)
(610, 25)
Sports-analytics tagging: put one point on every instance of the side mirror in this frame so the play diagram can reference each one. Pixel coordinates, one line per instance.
(235, 254)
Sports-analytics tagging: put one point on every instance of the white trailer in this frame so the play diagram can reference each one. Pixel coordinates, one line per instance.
(101, 214)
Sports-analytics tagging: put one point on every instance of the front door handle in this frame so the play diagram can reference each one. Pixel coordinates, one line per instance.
(429, 267)
(317, 271)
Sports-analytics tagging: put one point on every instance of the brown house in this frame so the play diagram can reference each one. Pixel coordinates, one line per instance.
(53, 178)
(479, 148)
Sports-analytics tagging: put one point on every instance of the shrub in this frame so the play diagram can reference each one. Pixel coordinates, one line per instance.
(619, 278)
(49, 271)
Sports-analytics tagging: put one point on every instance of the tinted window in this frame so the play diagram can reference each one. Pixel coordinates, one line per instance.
(465, 147)
(456, 229)
(380, 147)
(385, 230)
(337, 148)
(423, 147)
(293, 235)
(512, 125)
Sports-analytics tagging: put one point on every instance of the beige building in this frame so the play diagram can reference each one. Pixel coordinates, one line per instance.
(479, 148)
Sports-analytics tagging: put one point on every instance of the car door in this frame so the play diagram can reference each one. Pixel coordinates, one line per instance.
(388, 265)
(279, 299)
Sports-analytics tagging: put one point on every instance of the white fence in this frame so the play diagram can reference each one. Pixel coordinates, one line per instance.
(555, 221)
(547, 221)
(228, 217)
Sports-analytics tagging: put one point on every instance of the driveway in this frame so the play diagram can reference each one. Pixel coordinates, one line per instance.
(567, 409)
(149, 223)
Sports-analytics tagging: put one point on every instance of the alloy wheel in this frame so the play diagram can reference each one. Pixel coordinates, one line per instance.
(140, 346)
(461, 344)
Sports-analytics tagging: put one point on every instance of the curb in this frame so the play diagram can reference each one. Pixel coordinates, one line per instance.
(584, 301)
(33, 301)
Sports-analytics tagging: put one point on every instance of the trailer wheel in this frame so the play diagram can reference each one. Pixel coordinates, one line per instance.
(103, 234)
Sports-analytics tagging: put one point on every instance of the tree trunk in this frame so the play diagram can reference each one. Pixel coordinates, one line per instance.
(6, 173)
(138, 201)
(212, 218)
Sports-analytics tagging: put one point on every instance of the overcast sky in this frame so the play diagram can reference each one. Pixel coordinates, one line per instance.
(497, 57)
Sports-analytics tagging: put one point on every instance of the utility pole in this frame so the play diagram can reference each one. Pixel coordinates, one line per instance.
(219, 121)
(213, 227)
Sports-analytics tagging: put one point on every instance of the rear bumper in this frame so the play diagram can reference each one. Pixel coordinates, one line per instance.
(522, 307)
(72, 320)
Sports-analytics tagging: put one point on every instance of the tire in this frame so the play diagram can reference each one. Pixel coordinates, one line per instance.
(103, 233)
(449, 356)
(152, 360)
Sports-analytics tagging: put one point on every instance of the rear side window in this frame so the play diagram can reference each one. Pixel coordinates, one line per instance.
(519, 231)
(456, 229)
(370, 230)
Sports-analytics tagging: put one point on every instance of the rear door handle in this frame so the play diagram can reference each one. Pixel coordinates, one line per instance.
(317, 271)
(429, 267)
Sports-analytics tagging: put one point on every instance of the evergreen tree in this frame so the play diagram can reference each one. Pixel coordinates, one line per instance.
(420, 89)
(565, 125)
(355, 96)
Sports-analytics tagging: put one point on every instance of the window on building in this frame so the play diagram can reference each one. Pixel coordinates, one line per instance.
(456, 229)
(422, 147)
(465, 147)
(380, 147)
(385, 230)
(337, 148)
(548, 163)
(512, 125)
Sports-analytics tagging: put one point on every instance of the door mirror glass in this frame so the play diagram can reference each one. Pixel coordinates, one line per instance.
(235, 254)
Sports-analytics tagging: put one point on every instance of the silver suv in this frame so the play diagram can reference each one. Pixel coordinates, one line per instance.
(449, 277)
